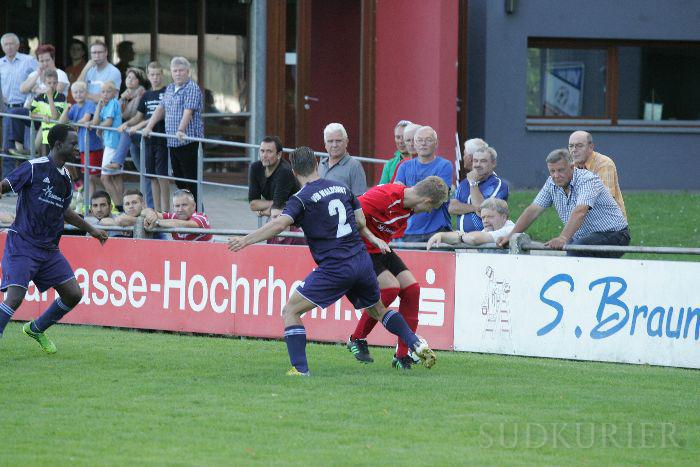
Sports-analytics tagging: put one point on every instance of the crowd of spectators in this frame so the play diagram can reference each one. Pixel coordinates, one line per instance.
(583, 184)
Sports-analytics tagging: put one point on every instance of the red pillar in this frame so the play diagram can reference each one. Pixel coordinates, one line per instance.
(416, 70)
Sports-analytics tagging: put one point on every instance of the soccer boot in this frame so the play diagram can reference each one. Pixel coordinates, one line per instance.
(358, 347)
(427, 356)
(294, 372)
(46, 344)
(403, 363)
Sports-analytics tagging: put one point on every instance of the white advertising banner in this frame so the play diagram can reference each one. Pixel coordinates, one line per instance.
(630, 311)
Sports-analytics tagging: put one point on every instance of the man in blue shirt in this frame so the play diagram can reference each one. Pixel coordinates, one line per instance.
(15, 67)
(423, 225)
(44, 192)
(332, 220)
(481, 184)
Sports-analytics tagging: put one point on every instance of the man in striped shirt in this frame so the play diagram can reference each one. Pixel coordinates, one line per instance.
(589, 213)
(183, 215)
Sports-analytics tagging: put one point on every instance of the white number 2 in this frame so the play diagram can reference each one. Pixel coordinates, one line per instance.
(336, 207)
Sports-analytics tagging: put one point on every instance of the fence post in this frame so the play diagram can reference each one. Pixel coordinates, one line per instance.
(32, 137)
(139, 230)
(142, 166)
(86, 173)
(200, 176)
(517, 242)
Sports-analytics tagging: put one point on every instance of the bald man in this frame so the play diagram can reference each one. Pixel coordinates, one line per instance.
(581, 148)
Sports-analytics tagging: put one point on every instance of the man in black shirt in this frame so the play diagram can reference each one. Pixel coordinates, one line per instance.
(271, 182)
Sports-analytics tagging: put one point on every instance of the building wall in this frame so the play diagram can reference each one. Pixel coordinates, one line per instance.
(416, 70)
(645, 160)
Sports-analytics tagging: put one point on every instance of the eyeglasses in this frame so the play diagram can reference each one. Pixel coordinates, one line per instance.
(578, 146)
(426, 140)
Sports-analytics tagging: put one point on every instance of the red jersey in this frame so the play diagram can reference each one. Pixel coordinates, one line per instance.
(202, 223)
(384, 211)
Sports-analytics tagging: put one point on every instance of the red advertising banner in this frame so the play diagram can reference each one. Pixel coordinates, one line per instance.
(203, 288)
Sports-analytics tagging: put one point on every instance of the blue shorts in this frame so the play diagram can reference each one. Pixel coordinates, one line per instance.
(354, 278)
(22, 262)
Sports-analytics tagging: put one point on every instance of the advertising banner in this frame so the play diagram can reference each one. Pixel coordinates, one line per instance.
(203, 288)
(645, 312)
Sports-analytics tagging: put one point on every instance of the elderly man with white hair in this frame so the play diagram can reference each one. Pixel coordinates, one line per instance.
(181, 107)
(340, 166)
(15, 67)
(481, 184)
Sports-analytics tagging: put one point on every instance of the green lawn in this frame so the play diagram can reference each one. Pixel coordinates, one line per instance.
(124, 397)
(655, 219)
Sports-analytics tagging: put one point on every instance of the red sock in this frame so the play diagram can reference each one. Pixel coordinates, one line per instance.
(367, 323)
(410, 296)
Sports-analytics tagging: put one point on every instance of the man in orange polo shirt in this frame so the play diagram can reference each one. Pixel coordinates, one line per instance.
(581, 148)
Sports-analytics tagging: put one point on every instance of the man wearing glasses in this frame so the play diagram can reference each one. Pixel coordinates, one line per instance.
(581, 148)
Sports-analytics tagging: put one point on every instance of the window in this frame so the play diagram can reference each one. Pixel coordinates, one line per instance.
(617, 83)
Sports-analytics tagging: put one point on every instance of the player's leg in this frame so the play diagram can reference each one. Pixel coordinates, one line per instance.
(55, 272)
(395, 324)
(410, 298)
(19, 264)
(295, 333)
(13, 299)
(389, 289)
(365, 294)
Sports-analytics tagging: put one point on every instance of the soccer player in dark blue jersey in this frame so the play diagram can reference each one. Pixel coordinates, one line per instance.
(332, 221)
(44, 191)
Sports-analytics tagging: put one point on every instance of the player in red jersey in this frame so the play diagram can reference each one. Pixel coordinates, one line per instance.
(387, 209)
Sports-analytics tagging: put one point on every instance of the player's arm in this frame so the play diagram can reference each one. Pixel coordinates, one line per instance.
(269, 230)
(365, 232)
(72, 218)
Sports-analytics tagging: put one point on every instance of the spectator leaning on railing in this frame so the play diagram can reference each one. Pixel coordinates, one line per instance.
(494, 215)
(82, 112)
(182, 109)
(184, 215)
(589, 213)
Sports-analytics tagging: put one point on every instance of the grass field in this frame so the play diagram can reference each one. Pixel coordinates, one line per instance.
(655, 219)
(124, 397)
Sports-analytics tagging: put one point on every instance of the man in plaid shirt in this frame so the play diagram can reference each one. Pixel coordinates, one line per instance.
(182, 109)
(589, 212)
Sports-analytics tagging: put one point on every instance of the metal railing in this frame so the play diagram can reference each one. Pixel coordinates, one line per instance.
(201, 159)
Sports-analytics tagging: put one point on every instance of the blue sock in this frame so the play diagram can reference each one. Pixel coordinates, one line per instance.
(395, 324)
(295, 337)
(5, 314)
(51, 316)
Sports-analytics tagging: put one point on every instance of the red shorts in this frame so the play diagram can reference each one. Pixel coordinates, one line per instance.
(95, 161)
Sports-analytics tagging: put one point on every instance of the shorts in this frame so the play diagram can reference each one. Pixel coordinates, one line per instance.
(107, 155)
(95, 161)
(353, 278)
(23, 262)
(156, 159)
(388, 262)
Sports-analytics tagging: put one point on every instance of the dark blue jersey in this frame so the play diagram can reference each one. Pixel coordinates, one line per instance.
(44, 193)
(325, 210)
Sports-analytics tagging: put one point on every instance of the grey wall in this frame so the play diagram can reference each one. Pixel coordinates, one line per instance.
(497, 78)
